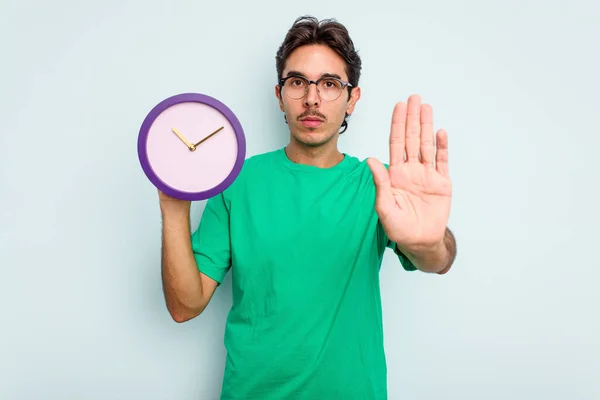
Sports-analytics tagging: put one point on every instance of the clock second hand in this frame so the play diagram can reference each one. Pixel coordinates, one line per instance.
(214, 133)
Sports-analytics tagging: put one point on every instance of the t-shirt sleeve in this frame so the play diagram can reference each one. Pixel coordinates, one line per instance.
(211, 243)
(385, 242)
(405, 261)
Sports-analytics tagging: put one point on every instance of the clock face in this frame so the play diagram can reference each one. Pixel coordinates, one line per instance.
(191, 146)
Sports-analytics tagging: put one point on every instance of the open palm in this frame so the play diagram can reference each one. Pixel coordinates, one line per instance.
(413, 195)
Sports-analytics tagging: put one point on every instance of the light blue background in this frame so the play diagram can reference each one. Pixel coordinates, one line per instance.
(514, 83)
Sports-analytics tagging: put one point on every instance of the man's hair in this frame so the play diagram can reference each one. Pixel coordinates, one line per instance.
(309, 30)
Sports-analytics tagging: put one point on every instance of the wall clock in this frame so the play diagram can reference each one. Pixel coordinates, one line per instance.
(191, 146)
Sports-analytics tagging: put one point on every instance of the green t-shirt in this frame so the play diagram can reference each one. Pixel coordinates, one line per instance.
(305, 246)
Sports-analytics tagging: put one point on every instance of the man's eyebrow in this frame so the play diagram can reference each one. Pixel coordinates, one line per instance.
(328, 75)
(325, 75)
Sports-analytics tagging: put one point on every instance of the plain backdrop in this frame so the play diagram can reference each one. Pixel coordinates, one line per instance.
(515, 84)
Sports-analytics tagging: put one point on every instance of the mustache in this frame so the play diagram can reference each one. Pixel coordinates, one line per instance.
(313, 113)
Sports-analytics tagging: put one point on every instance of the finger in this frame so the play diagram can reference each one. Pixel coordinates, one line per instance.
(413, 128)
(427, 147)
(397, 133)
(383, 187)
(441, 158)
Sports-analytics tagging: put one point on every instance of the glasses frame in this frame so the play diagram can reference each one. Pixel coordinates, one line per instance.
(343, 83)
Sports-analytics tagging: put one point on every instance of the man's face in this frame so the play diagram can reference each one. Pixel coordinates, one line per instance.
(312, 120)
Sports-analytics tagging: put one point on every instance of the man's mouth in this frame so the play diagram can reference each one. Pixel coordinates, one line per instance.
(311, 122)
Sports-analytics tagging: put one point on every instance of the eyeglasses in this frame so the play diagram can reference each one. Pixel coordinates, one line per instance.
(329, 88)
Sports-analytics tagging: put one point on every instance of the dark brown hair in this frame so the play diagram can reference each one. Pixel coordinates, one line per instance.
(309, 30)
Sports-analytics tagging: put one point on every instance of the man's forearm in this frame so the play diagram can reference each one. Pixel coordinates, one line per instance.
(438, 259)
(181, 280)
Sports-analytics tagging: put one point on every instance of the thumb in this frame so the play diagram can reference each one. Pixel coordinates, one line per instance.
(383, 186)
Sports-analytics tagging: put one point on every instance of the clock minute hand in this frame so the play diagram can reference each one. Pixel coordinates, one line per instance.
(214, 133)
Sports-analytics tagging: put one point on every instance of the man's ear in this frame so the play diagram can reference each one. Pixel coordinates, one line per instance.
(278, 95)
(354, 97)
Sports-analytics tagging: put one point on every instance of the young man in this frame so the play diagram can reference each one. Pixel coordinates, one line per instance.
(303, 230)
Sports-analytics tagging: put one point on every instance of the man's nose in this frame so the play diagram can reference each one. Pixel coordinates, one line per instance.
(312, 96)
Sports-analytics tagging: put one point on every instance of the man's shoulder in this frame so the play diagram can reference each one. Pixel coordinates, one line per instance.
(258, 163)
(359, 165)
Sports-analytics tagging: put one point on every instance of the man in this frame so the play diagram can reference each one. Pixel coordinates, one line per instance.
(303, 230)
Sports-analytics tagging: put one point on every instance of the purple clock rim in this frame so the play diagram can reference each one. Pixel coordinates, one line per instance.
(184, 98)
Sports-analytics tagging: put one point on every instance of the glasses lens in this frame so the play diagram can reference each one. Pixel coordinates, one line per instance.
(295, 88)
(330, 89)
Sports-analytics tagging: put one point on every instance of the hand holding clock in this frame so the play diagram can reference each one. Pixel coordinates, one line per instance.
(173, 207)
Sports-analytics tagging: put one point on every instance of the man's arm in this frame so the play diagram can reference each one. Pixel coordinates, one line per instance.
(187, 291)
(437, 259)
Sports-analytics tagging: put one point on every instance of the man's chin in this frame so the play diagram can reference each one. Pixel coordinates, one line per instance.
(313, 138)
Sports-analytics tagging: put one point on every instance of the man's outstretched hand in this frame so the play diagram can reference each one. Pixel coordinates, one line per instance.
(413, 196)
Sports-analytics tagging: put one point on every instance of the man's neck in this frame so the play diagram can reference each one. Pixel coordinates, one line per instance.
(318, 156)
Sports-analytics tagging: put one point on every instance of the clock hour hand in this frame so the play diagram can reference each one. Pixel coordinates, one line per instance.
(214, 133)
(184, 140)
